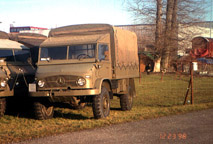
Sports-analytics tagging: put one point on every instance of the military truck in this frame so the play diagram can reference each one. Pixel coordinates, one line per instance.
(15, 71)
(85, 63)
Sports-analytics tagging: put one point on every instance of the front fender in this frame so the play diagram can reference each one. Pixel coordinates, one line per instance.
(98, 84)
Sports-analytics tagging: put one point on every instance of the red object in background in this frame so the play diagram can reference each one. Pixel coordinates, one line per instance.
(210, 49)
(202, 47)
(198, 53)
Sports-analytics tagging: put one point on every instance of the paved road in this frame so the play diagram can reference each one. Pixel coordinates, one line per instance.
(190, 128)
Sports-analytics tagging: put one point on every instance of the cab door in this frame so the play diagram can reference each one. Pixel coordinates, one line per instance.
(104, 61)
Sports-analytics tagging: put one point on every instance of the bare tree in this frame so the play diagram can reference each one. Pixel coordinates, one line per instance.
(169, 16)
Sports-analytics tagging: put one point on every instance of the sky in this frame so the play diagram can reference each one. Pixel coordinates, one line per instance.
(56, 13)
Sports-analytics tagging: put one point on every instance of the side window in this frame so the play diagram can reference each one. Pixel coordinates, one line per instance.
(103, 52)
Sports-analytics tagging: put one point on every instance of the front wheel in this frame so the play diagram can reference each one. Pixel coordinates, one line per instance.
(2, 106)
(43, 110)
(101, 104)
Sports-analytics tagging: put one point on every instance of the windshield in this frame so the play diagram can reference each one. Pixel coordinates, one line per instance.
(7, 55)
(82, 51)
(74, 52)
(22, 55)
(53, 53)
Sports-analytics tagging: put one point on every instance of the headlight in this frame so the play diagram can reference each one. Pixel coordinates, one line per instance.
(81, 82)
(3, 83)
(41, 83)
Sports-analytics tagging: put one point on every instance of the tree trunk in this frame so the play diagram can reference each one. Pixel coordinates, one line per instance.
(168, 34)
(158, 34)
(158, 31)
(157, 65)
(174, 42)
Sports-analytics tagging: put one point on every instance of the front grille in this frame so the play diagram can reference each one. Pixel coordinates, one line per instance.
(60, 81)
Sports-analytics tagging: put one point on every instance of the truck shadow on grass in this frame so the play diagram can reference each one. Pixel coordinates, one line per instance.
(24, 109)
(72, 116)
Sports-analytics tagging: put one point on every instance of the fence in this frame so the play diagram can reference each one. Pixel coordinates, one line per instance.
(171, 89)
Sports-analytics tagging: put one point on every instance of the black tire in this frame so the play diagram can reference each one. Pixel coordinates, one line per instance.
(101, 104)
(43, 110)
(2, 106)
(126, 100)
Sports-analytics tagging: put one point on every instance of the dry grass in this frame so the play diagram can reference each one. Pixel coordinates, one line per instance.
(155, 98)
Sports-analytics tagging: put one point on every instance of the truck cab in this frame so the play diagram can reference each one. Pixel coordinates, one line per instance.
(15, 71)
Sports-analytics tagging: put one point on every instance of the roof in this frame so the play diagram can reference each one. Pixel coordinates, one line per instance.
(3, 35)
(8, 44)
(29, 39)
(67, 40)
(205, 38)
(82, 29)
(29, 27)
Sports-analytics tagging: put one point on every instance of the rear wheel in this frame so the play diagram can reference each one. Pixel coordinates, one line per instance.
(101, 104)
(2, 106)
(43, 110)
(126, 100)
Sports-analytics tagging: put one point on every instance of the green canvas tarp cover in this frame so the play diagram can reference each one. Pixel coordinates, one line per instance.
(123, 43)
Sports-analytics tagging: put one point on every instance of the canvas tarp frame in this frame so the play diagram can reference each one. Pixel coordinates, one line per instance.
(9, 44)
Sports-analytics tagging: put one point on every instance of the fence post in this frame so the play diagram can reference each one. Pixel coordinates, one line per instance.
(190, 85)
(192, 92)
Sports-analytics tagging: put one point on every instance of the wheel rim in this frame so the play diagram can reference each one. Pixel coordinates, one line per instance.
(105, 104)
(47, 110)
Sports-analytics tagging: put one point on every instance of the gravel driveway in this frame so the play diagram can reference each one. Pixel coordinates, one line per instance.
(190, 128)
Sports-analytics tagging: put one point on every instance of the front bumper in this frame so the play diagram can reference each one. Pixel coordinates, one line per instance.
(64, 93)
(6, 93)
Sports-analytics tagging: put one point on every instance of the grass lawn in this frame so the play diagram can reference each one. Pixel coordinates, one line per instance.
(155, 98)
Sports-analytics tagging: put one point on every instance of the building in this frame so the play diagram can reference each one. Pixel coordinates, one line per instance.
(29, 29)
(18, 29)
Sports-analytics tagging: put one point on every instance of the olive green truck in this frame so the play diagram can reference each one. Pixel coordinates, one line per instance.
(85, 63)
(15, 73)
